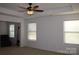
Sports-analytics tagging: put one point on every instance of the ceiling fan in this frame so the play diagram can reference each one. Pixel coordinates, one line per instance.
(31, 9)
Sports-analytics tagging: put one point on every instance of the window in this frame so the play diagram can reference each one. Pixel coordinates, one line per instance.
(32, 31)
(71, 32)
(11, 30)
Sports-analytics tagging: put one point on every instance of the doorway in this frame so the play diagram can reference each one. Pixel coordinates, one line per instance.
(14, 33)
(9, 34)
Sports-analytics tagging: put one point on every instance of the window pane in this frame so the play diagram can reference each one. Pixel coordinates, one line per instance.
(11, 28)
(71, 32)
(72, 38)
(11, 34)
(32, 35)
(32, 27)
(71, 26)
(32, 31)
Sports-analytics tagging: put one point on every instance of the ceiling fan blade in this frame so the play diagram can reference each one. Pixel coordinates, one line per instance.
(22, 7)
(29, 8)
(39, 10)
(35, 7)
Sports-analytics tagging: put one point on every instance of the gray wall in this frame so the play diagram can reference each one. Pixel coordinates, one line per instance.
(49, 32)
(50, 35)
(3, 28)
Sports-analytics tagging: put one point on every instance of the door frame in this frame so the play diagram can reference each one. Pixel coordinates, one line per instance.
(17, 24)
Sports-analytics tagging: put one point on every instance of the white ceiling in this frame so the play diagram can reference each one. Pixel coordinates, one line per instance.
(45, 6)
(49, 8)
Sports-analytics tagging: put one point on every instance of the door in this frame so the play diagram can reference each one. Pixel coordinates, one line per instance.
(14, 33)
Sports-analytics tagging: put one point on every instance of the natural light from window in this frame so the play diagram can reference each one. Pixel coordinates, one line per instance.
(71, 32)
(32, 31)
(11, 30)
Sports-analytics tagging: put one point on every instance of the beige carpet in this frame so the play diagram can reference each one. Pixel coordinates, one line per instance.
(25, 51)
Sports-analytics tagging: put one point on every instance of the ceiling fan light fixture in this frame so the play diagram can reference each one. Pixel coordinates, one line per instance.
(30, 12)
(31, 9)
